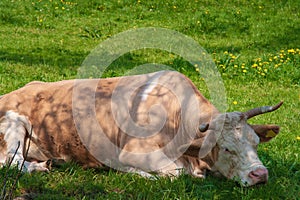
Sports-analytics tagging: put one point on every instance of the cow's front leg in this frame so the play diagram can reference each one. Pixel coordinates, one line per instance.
(143, 163)
(139, 172)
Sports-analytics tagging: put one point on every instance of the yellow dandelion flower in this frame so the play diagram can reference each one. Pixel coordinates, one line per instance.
(244, 71)
(282, 51)
(270, 59)
(266, 70)
(260, 64)
(197, 69)
(226, 52)
(254, 65)
(242, 66)
(298, 137)
(235, 102)
(263, 74)
(276, 66)
(235, 66)
(196, 65)
(174, 7)
(275, 57)
(291, 51)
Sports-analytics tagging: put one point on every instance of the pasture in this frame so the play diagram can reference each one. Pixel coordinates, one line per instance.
(254, 44)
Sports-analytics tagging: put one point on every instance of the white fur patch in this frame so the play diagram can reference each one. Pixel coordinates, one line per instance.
(150, 85)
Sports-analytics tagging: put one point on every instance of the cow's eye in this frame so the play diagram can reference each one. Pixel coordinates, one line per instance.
(238, 128)
(227, 150)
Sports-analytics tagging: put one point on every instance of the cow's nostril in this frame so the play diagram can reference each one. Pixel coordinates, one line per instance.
(253, 174)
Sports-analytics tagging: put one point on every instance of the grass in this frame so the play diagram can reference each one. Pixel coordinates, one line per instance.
(255, 45)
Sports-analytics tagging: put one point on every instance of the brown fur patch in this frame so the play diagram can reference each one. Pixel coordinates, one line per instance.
(3, 145)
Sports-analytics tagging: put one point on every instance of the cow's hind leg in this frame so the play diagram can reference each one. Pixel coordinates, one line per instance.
(37, 166)
(15, 127)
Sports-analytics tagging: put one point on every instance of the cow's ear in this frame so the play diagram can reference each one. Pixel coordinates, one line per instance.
(199, 147)
(266, 132)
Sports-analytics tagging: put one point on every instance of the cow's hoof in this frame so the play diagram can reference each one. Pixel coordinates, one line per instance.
(49, 164)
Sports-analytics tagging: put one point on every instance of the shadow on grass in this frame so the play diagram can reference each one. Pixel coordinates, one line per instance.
(51, 57)
(288, 39)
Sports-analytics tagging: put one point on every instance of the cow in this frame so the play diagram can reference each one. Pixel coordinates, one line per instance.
(150, 123)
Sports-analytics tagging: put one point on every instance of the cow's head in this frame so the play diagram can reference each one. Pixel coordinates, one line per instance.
(231, 143)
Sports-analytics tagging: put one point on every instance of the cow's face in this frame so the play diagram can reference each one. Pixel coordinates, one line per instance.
(230, 144)
(237, 143)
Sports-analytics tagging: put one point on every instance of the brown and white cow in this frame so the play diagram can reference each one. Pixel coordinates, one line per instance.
(156, 122)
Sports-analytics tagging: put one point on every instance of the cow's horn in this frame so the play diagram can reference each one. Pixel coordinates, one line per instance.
(203, 127)
(261, 110)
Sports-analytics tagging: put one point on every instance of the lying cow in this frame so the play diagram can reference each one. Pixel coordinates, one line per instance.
(156, 122)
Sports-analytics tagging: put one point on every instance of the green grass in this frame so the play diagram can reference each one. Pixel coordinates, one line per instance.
(48, 40)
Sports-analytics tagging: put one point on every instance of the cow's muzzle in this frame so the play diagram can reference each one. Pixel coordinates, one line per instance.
(259, 175)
